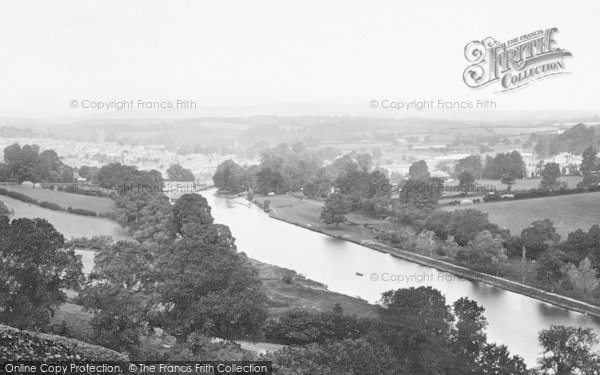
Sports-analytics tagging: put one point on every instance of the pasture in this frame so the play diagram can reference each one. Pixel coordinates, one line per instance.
(525, 184)
(567, 212)
(64, 199)
(71, 226)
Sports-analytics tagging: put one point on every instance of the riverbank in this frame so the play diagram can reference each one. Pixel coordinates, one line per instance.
(285, 290)
(305, 214)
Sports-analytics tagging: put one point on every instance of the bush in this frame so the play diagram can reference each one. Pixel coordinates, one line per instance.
(403, 238)
(81, 211)
(50, 206)
(19, 196)
(300, 326)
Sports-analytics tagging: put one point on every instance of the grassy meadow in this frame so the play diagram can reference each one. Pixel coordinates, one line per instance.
(568, 212)
(65, 199)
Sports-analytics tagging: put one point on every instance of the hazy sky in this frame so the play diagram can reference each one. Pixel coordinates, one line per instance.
(230, 53)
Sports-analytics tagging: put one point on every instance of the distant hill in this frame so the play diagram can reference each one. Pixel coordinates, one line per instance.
(12, 132)
(20, 345)
(574, 140)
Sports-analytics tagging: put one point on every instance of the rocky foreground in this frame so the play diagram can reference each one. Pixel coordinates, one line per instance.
(19, 345)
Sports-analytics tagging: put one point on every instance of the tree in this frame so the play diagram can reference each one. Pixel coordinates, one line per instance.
(269, 180)
(486, 252)
(206, 286)
(466, 180)
(418, 198)
(463, 225)
(507, 166)
(592, 245)
(418, 329)
(177, 173)
(22, 161)
(343, 165)
(589, 161)
(156, 222)
(550, 176)
(550, 267)
(569, 351)
(471, 165)
(84, 171)
(584, 278)
(425, 242)
(231, 177)
(419, 170)
(301, 326)
(355, 184)
(496, 359)
(470, 344)
(120, 295)
(538, 237)
(508, 180)
(191, 209)
(126, 178)
(130, 206)
(320, 184)
(581, 244)
(470, 326)
(4, 172)
(335, 209)
(27, 163)
(36, 268)
(297, 170)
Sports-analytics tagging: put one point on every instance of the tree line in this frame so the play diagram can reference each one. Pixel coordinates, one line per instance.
(27, 163)
(183, 274)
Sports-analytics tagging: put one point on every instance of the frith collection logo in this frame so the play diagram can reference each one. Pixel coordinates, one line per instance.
(514, 63)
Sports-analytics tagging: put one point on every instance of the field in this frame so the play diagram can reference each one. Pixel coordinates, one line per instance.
(306, 212)
(70, 225)
(568, 212)
(64, 199)
(526, 184)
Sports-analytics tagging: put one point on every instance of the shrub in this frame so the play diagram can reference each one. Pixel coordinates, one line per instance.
(81, 211)
(50, 206)
(19, 196)
(300, 326)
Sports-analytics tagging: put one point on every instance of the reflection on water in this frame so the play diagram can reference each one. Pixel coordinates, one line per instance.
(514, 320)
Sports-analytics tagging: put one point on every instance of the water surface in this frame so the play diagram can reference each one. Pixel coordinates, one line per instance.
(514, 319)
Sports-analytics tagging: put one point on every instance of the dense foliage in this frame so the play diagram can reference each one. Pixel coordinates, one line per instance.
(185, 277)
(27, 163)
(36, 269)
(177, 173)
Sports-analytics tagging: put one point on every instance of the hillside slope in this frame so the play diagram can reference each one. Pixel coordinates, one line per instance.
(23, 345)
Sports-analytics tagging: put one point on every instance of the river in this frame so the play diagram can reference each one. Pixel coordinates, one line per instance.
(514, 319)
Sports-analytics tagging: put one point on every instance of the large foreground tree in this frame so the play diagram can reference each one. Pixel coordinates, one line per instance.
(36, 268)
